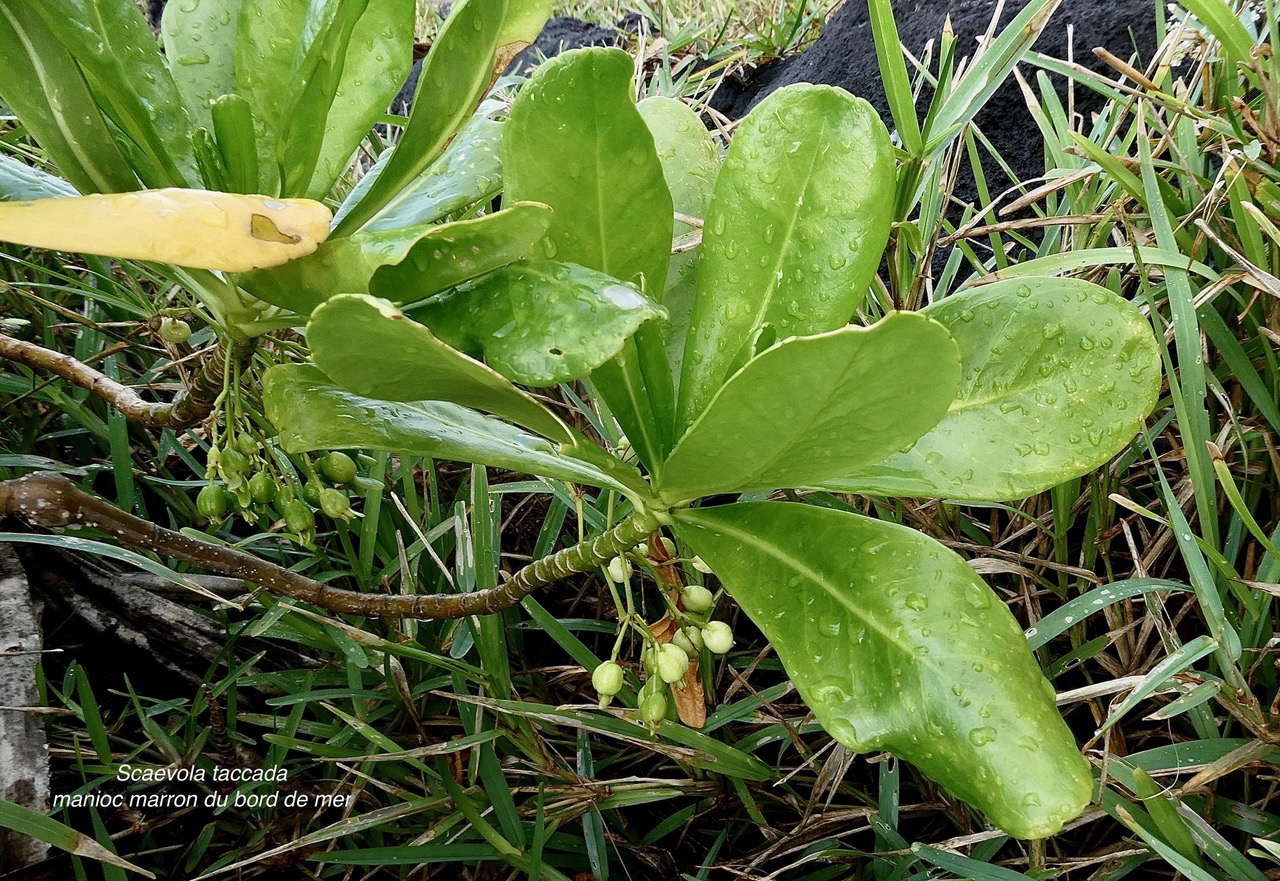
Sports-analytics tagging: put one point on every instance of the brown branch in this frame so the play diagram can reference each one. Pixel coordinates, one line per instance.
(191, 405)
(52, 501)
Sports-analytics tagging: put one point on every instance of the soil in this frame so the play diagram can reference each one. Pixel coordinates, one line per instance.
(844, 55)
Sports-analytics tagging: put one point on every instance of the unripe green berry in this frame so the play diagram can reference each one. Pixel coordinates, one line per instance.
(174, 330)
(247, 445)
(338, 467)
(298, 517)
(697, 598)
(701, 565)
(607, 679)
(334, 503)
(682, 641)
(669, 546)
(619, 568)
(262, 488)
(673, 663)
(234, 463)
(311, 493)
(211, 503)
(718, 637)
(653, 709)
(694, 635)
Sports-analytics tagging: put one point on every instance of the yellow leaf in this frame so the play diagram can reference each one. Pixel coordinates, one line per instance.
(200, 229)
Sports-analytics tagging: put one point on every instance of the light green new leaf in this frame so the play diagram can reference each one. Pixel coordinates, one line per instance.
(312, 413)
(368, 346)
(896, 644)
(1059, 375)
(403, 264)
(114, 46)
(454, 78)
(575, 141)
(20, 182)
(200, 48)
(690, 164)
(35, 67)
(542, 322)
(468, 172)
(817, 405)
(795, 231)
(267, 35)
(379, 57)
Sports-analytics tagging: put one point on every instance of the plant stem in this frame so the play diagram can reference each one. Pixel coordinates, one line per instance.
(52, 501)
(188, 407)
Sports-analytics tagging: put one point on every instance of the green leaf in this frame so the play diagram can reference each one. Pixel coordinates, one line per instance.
(814, 407)
(35, 67)
(469, 171)
(267, 37)
(690, 164)
(312, 413)
(1059, 375)
(20, 182)
(454, 77)
(200, 48)
(542, 322)
(114, 46)
(896, 644)
(575, 141)
(404, 264)
(379, 57)
(368, 346)
(795, 231)
(27, 822)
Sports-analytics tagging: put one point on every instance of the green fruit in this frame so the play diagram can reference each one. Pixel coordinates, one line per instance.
(247, 445)
(211, 503)
(334, 503)
(607, 679)
(298, 517)
(654, 707)
(234, 462)
(682, 641)
(619, 568)
(338, 467)
(262, 488)
(697, 598)
(311, 493)
(673, 663)
(174, 330)
(718, 637)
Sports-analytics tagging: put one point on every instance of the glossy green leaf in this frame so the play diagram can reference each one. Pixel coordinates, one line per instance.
(311, 412)
(379, 58)
(1059, 375)
(818, 405)
(690, 163)
(403, 264)
(267, 37)
(575, 141)
(454, 78)
(319, 67)
(795, 231)
(34, 67)
(896, 644)
(542, 322)
(200, 48)
(20, 182)
(368, 346)
(114, 46)
(469, 172)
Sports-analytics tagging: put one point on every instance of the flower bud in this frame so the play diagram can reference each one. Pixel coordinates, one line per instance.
(697, 598)
(718, 637)
(607, 679)
(174, 330)
(619, 569)
(653, 709)
(673, 663)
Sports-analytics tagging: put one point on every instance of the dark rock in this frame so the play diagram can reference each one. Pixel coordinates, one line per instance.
(844, 55)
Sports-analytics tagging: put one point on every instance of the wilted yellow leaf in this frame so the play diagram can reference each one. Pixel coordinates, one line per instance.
(200, 229)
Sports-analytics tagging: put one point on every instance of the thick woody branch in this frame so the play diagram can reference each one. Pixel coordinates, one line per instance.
(190, 406)
(52, 501)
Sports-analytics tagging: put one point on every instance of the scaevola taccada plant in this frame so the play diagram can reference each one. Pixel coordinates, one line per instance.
(732, 368)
